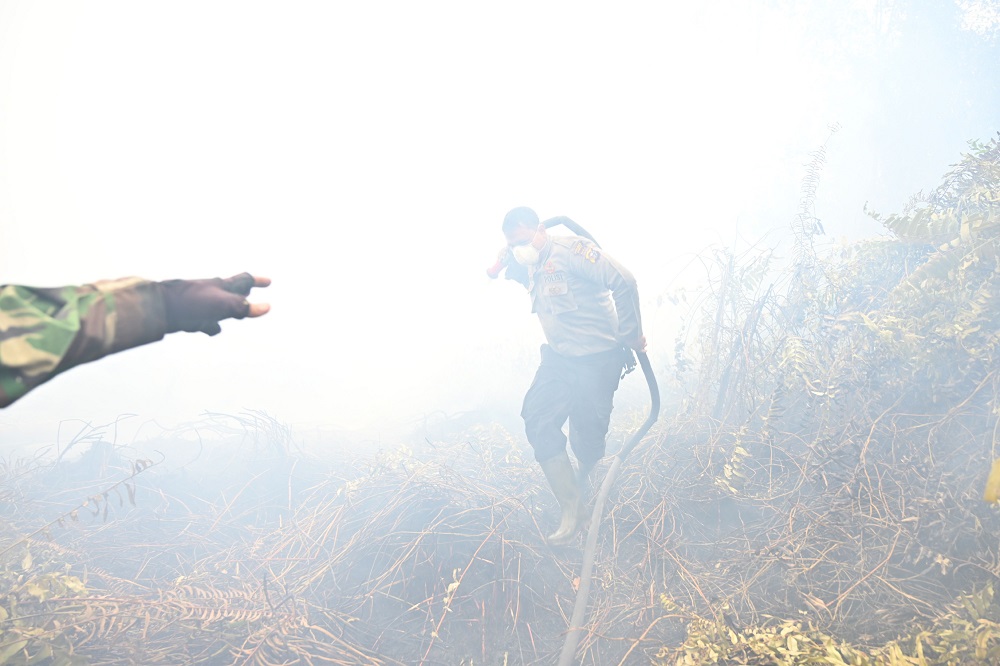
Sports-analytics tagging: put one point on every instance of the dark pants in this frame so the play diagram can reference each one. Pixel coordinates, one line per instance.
(580, 389)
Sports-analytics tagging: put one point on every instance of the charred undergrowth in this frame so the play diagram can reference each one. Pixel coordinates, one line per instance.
(814, 492)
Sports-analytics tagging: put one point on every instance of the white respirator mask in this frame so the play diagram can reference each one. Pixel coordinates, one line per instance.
(526, 255)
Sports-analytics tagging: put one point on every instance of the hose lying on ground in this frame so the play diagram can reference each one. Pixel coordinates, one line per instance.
(576, 623)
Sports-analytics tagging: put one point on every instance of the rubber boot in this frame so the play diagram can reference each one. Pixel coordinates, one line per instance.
(562, 479)
(583, 474)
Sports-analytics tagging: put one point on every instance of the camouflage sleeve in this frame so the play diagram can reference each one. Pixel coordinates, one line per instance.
(46, 331)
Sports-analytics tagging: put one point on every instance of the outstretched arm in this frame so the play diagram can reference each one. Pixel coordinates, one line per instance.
(46, 331)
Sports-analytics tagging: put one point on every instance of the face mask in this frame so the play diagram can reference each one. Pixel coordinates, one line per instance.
(526, 255)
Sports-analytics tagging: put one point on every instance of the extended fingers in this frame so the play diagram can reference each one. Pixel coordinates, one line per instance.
(243, 283)
(258, 309)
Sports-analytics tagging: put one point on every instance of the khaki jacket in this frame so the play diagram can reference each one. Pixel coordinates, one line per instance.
(586, 301)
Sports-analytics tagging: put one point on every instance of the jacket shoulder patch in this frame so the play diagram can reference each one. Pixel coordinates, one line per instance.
(587, 251)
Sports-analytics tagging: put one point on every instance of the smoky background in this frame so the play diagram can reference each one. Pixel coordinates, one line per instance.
(346, 479)
(363, 157)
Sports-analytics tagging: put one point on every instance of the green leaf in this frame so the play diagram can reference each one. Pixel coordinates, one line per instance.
(7, 652)
(37, 591)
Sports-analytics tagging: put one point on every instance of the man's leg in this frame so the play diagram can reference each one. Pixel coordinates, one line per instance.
(547, 404)
(546, 407)
(597, 378)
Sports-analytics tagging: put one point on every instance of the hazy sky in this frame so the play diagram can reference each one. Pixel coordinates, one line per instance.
(363, 155)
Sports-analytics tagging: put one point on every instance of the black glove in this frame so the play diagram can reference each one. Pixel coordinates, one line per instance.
(517, 272)
(628, 361)
(199, 305)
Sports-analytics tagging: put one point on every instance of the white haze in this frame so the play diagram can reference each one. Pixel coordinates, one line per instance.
(363, 154)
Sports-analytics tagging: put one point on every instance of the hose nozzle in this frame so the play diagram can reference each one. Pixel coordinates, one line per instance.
(503, 258)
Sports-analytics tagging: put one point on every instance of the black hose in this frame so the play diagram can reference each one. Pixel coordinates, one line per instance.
(576, 626)
(571, 225)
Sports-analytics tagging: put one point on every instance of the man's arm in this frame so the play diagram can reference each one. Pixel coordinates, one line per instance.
(605, 271)
(44, 332)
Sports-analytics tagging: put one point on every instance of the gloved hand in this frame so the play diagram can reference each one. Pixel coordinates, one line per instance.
(199, 305)
(514, 271)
